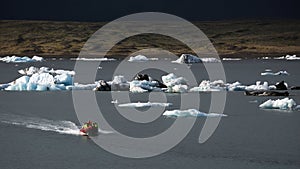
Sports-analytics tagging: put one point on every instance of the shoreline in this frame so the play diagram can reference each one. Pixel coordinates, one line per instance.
(236, 39)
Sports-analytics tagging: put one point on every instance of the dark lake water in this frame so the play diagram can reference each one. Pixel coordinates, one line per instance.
(249, 137)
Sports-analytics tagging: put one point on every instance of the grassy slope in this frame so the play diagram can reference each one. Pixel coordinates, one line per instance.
(230, 38)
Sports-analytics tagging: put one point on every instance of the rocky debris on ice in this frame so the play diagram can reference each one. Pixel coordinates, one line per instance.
(188, 58)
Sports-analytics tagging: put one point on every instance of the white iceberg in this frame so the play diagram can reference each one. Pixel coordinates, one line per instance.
(288, 57)
(137, 86)
(188, 58)
(40, 82)
(148, 104)
(269, 73)
(78, 86)
(31, 70)
(17, 59)
(231, 59)
(190, 113)
(283, 104)
(140, 58)
(93, 59)
(260, 87)
(119, 83)
(217, 85)
(174, 84)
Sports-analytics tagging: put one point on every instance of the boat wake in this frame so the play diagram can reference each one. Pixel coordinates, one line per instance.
(61, 127)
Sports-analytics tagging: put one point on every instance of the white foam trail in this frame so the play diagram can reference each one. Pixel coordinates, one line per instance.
(61, 127)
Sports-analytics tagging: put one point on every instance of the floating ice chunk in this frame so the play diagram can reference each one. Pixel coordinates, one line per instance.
(31, 70)
(231, 59)
(77, 86)
(190, 113)
(284, 104)
(218, 85)
(148, 104)
(17, 59)
(288, 57)
(138, 86)
(282, 72)
(188, 58)
(93, 59)
(174, 83)
(140, 58)
(114, 102)
(258, 86)
(119, 83)
(65, 79)
(42, 79)
(297, 107)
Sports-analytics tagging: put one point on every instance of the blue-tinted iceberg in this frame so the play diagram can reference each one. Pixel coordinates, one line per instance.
(190, 113)
(217, 85)
(283, 104)
(17, 59)
(137, 86)
(140, 58)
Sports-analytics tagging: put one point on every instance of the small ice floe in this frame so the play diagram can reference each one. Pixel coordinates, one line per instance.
(137, 86)
(147, 104)
(114, 101)
(269, 73)
(119, 83)
(78, 86)
(140, 58)
(175, 84)
(188, 58)
(93, 59)
(297, 108)
(32, 70)
(260, 87)
(217, 85)
(17, 59)
(190, 113)
(231, 59)
(253, 101)
(288, 57)
(283, 104)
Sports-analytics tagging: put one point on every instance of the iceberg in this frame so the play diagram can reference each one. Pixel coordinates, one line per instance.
(140, 58)
(138, 86)
(269, 73)
(17, 59)
(93, 59)
(260, 87)
(288, 57)
(78, 86)
(188, 58)
(283, 104)
(119, 83)
(190, 113)
(40, 82)
(31, 70)
(231, 59)
(217, 85)
(174, 84)
(148, 104)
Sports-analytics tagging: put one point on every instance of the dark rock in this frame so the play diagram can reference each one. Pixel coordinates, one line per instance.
(103, 86)
(281, 86)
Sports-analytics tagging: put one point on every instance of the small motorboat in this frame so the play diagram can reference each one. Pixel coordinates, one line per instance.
(89, 129)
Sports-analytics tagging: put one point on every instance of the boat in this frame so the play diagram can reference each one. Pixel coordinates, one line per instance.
(89, 129)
